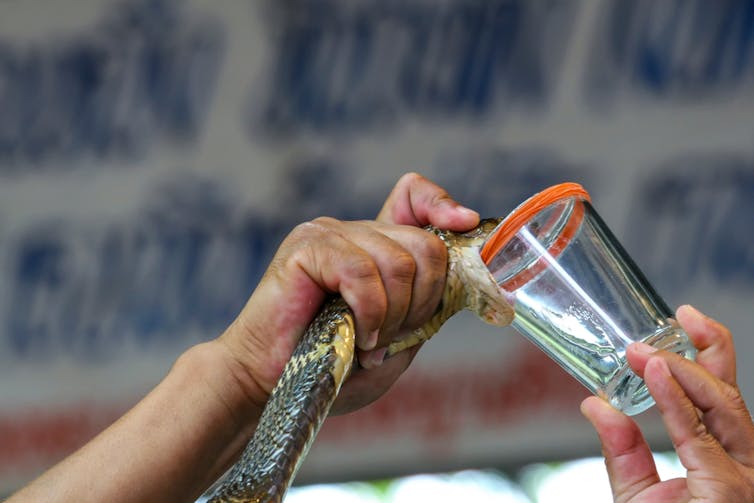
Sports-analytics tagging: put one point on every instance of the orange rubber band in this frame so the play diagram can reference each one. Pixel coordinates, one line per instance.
(526, 211)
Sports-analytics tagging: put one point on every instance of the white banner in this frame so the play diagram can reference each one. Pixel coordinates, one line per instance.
(153, 153)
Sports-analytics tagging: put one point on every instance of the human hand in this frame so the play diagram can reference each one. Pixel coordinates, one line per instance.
(390, 272)
(705, 416)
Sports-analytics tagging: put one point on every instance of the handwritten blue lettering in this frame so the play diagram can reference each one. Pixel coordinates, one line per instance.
(178, 272)
(673, 48)
(345, 67)
(145, 73)
(692, 222)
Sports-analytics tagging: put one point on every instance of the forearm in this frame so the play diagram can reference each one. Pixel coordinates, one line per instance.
(170, 446)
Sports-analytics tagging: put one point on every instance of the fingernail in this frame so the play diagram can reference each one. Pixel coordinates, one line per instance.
(371, 341)
(643, 348)
(468, 211)
(377, 356)
(694, 311)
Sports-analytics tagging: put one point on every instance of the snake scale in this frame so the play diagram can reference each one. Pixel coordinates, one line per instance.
(322, 361)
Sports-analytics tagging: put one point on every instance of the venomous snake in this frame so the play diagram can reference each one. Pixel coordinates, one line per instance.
(322, 361)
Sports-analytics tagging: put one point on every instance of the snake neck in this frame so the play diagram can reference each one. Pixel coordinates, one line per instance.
(468, 285)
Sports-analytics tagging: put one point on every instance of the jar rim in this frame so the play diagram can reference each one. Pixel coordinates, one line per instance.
(519, 217)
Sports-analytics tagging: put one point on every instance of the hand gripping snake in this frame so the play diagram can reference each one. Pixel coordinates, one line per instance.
(323, 359)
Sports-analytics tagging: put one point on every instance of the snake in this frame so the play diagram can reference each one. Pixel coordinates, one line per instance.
(323, 359)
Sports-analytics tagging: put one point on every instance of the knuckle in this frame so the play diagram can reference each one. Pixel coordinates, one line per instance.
(434, 251)
(733, 396)
(306, 231)
(409, 179)
(295, 247)
(361, 268)
(429, 250)
(324, 223)
(402, 267)
(435, 257)
(314, 232)
(430, 280)
(702, 433)
(700, 441)
(441, 197)
(296, 257)
(304, 239)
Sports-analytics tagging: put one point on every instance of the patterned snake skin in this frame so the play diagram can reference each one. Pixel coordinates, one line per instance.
(322, 360)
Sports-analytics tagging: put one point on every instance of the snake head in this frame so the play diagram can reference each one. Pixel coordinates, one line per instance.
(482, 295)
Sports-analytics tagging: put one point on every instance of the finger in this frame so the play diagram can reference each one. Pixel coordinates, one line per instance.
(630, 465)
(416, 201)
(713, 340)
(430, 257)
(335, 263)
(397, 268)
(371, 359)
(724, 412)
(696, 447)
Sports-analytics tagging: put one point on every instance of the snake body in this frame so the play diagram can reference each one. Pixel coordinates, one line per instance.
(322, 360)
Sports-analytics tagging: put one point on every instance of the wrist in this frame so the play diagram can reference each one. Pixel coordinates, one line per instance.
(225, 380)
(257, 357)
(226, 409)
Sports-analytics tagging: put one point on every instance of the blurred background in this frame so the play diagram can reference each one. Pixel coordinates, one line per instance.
(153, 153)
